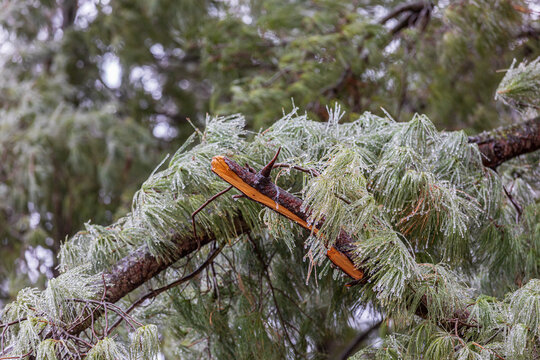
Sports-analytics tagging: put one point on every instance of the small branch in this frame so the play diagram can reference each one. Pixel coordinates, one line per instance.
(398, 10)
(203, 206)
(265, 171)
(528, 32)
(518, 207)
(312, 172)
(265, 268)
(483, 348)
(415, 13)
(16, 356)
(13, 322)
(112, 307)
(261, 189)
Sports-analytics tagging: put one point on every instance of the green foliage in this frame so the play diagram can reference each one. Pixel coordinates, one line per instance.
(145, 343)
(428, 219)
(78, 141)
(525, 306)
(47, 350)
(416, 257)
(521, 85)
(53, 305)
(107, 349)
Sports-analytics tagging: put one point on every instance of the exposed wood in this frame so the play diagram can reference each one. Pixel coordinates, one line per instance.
(260, 189)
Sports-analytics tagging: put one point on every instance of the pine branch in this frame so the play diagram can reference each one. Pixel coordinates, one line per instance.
(141, 266)
(505, 143)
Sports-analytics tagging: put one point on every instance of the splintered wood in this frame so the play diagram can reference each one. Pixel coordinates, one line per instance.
(245, 181)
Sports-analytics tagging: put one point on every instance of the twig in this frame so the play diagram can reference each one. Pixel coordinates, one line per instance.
(483, 348)
(16, 356)
(265, 267)
(112, 307)
(202, 207)
(518, 207)
(265, 171)
(13, 322)
(6, 326)
(312, 172)
(296, 304)
(409, 7)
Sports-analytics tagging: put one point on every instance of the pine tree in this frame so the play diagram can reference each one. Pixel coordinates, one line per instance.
(437, 231)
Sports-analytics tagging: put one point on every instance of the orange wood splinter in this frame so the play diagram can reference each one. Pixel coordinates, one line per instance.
(220, 168)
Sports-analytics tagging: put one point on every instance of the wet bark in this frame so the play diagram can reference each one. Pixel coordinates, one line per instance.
(503, 144)
(141, 265)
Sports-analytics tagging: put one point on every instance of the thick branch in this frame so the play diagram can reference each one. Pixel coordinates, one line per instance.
(153, 293)
(528, 32)
(351, 347)
(500, 145)
(408, 7)
(416, 12)
(140, 266)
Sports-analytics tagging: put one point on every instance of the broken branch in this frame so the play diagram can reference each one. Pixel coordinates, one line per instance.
(260, 188)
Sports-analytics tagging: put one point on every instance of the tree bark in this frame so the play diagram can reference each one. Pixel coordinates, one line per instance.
(500, 145)
(141, 265)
